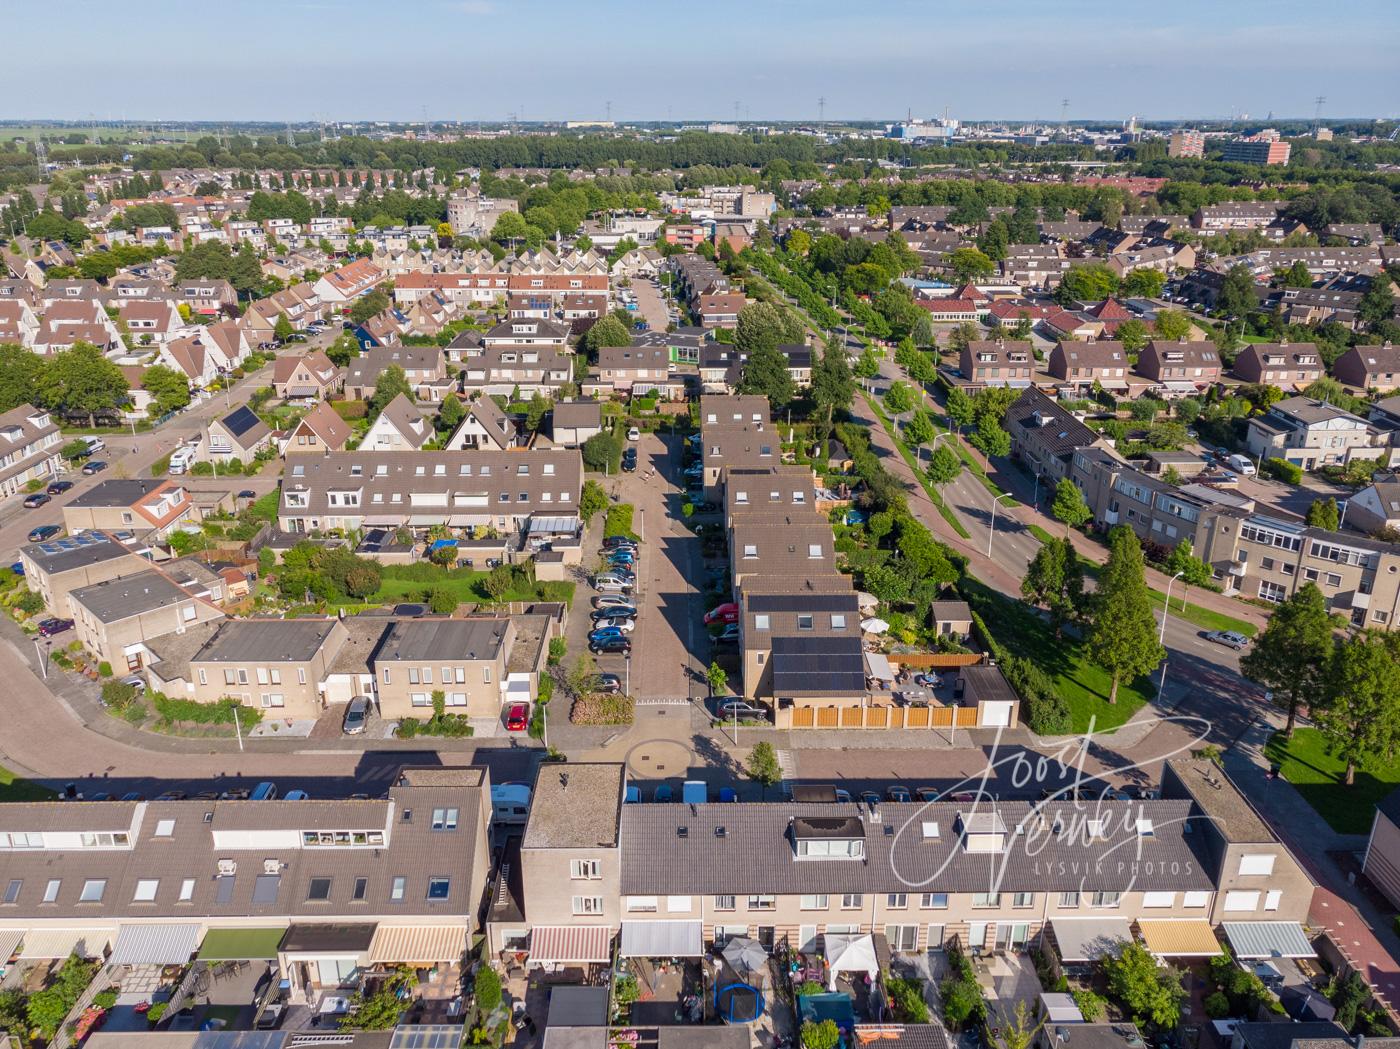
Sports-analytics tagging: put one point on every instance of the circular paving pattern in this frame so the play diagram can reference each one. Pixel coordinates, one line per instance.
(659, 758)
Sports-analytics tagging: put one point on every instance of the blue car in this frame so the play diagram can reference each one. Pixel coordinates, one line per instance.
(663, 792)
(17, 568)
(603, 633)
(633, 795)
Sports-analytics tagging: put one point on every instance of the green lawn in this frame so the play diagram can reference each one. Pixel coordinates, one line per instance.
(1317, 775)
(1084, 686)
(466, 585)
(12, 788)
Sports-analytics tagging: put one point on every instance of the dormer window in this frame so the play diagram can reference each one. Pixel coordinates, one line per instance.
(983, 832)
(828, 838)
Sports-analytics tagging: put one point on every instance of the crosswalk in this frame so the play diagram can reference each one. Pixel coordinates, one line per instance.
(663, 701)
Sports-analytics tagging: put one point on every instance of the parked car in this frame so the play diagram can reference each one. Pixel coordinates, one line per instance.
(59, 487)
(611, 582)
(356, 716)
(608, 684)
(927, 793)
(703, 508)
(137, 682)
(614, 643)
(264, 791)
(870, 797)
(897, 794)
(50, 627)
(634, 434)
(619, 540)
(664, 793)
(44, 533)
(632, 795)
(732, 708)
(725, 613)
(629, 463)
(624, 623)
(603, 601)
(613, 611)
(296, 795)
(93, 466)
(38, 499)
(517, 718)
(1228, 638)
(729, 633)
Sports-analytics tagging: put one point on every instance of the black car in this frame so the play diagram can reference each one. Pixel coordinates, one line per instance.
(611, 643)
(38, 499)
(94, 466)
(44, 533)
(247, 493)
(618, 540)
(629, 464)
(59, 487)
(608, 684)
(615, 612)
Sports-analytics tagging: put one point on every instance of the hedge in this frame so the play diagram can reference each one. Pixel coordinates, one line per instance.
(1283, 470)
(618, 521)
(219, 713)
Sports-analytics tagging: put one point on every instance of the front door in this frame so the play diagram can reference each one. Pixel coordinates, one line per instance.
(765, 937)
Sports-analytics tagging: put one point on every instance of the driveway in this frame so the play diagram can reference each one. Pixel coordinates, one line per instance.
(651, 304)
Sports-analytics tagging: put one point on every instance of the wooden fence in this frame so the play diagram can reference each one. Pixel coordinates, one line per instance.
(884, 717)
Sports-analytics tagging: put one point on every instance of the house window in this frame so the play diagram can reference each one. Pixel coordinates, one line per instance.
(762, 903)
(1023, 899)
(588, 905)
(439, 888)
(444, 819)
(12, 890)
(852, 901)
(897, 901)
(187, 890)
(1104, 899)
(164, 828)
(1260, 863)
(986, 899)
(838, 622)
(360, 889)
(1069, 899)
(585, 870)
(934, 901)
(1195, 899)
(805, 622)
(1159, 899)
(818, 902)
(319, 890)
(146, 890)
(399, 886)
(1241, 900)
(760, 621)
(724, 903)
(644, 904)
(1272, 899)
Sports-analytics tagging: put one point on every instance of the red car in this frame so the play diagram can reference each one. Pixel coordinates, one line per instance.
(726, 613)
(517, 718)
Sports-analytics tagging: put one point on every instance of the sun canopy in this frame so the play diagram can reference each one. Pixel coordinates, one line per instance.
(155, 945)
(874, 626)
(570, 943)
(745, 955)
(418, 944)
(9, 940)
(878, 667)
(60, 943)
(1268, 940)
(1089, 939)
(661, 939)
(1181, 938)
(237, 945)
(850, 954)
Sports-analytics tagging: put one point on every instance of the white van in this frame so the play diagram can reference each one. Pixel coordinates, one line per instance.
(510, 803)
(1241, 464)
(182, 459)
(94, 444)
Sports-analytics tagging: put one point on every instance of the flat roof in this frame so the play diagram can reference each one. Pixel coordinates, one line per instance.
(113, 600)
(266, 640)
(575, 806)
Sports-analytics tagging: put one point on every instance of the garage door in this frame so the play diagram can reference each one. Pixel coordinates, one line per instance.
(996, 714)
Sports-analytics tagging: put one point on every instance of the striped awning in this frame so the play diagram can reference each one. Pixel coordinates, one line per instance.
(1268, 940)
(418, 944)
(155, 944)
(662, 939)
(60, 943)
(1179, 938)
(9, 940)
(570, 943)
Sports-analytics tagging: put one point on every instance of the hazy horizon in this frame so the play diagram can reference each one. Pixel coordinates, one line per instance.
(470, 60)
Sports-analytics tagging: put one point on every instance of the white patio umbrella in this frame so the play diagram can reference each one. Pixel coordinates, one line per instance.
(874, 626)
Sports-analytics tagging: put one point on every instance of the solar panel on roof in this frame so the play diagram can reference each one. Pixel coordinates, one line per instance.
(240, 421)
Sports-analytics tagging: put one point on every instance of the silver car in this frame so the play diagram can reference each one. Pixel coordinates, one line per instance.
(356, 716)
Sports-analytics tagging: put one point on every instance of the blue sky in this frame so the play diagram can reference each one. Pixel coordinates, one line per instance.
(693, 59)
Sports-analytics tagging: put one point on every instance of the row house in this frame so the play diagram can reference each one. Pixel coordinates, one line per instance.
(150, 508)
(18, 322)
(355, 490)
(207, 298)
(150, 320)
(485, 426)
(1164, 258)
(313, 376)
(245, 231)
(502, 368)
(115, 619)
(1044, 437)
(1312, 434)
(29, 448)
(1082, 364)
(349, 282)
(323, 891)
(1180, 367)
(635, 370)
(1243, 215)
(999, 362)
(67, 322)
(1289, 367)
(719, 311)
(425, 368)
(1040, 266)
(238, 435)
(674, 880)
(1318, 261)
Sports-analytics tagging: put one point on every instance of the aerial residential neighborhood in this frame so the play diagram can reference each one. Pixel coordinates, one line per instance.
(702, 567)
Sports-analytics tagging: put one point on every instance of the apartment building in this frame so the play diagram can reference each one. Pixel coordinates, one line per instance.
(1044, 436)
(1254, 150)
(151, 507)
(1186, 143)
(1180, 367)
(327, 889)
(997, 362)
(341, 286)
(29, 446)
(1312, 433)
(1370, 368)
(670, 879)
(1235, 215)
(471, 214)
(1287, 366)
(354, 490)
(115, 618)
(57, 568)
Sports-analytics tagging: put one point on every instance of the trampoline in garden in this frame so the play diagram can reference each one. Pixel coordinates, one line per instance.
(738, 1002)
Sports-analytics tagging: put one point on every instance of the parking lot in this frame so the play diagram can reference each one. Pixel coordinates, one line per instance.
(665, 665)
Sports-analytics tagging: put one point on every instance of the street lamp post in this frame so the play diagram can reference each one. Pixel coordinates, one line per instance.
(43, 659)
(992, 524)
(1162, 633)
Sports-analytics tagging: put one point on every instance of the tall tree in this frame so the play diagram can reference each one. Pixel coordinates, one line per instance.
(1123, 636)
(21, 376)
(366, 306)
(1069, 506)
(920, 429)
(1237, 297)
(1055, 579)
(1360, 718)
(764, 326)
(82, 381)
(451, 414)
(1378, 303)
(868, 365)
(833, 387)
(169, 389)
(1290, 657)
(944, 466)
(898, 399)
(1323, 513)
(766, 372)
(392, 381)
(991, 440)
(960, 407)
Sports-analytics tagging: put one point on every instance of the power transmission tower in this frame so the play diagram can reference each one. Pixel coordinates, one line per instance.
(821, 110)
(608, 107)
(1320, 101)
(1064, 111)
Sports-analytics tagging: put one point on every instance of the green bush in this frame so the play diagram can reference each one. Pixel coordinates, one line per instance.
(618, 521)
(155, 1012)
(808, 987)
(117, 694)
(105, 999)
(1217, 1005)
(30, 603)
(1283, 470)
(219, 713)
(408, 728)
(558, 646)
(908, 998)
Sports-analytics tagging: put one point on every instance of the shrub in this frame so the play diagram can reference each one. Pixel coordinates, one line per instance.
(1283, 470)
(189, 710)
(408, 728)
(558, 646)
(104, 668)
(117, 694)
(807, 987)
(488, 989)
(105, 999)
(1217, 1005)
(30, 603)
(595, 709)
(155, 1012)
(908, 997)
(618, 520)
(442, 601)
(1092, 1005)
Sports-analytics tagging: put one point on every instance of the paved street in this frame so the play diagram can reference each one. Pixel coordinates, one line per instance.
(651, 304)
